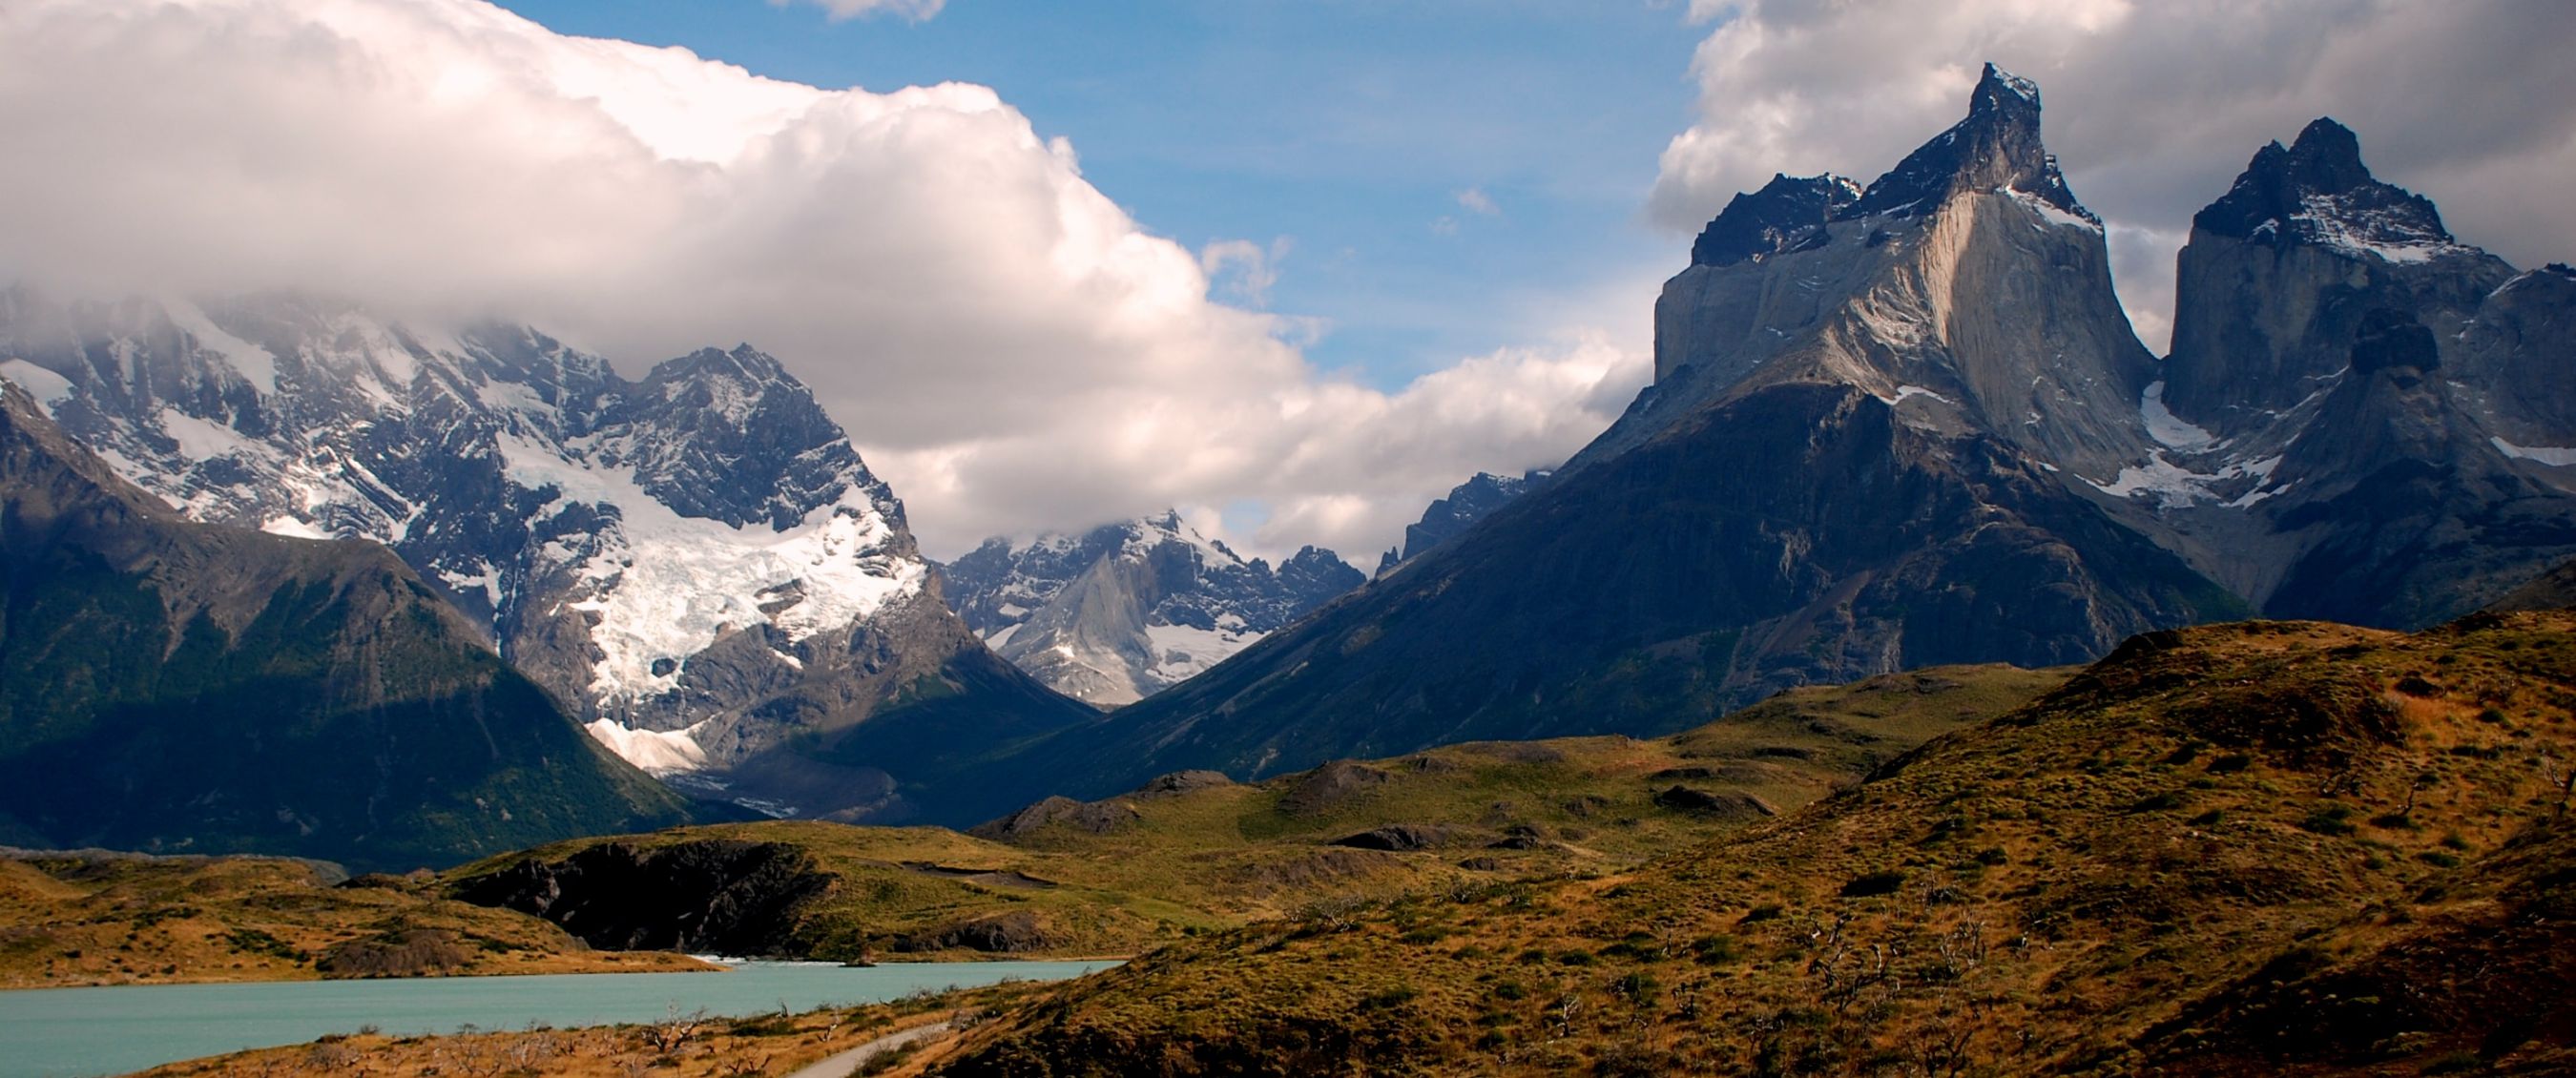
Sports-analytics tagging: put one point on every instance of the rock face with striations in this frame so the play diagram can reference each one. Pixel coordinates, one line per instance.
(697, 563)
(1128, 609)
(1859, 455)
(182, 687)
(2363, 416)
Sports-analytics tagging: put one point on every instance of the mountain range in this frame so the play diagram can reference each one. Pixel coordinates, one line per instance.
(696, 565)
(1907, 423)
(1892, 425)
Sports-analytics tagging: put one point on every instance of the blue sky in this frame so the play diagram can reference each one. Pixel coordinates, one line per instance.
(1348, 129)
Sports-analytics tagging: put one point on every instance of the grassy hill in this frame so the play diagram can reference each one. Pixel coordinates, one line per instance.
(2250, 848)
(84, 919)
(1193, 853)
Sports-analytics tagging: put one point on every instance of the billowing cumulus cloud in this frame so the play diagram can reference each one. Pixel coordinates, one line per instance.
(2152, 106)
(1006, 345)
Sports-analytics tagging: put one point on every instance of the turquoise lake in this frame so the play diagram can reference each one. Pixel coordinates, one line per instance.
(81, 1032)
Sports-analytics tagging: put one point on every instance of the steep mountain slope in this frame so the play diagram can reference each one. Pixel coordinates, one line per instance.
(1446, 518)
(2361, 415)
(167, 685)
(2553, 590)
(1127, 609)
(1857, 457)
(2260, 848)
(697, 563)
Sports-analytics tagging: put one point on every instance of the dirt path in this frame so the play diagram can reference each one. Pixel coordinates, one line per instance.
(846, 1063)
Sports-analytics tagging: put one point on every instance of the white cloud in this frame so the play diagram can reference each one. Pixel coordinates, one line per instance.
(1005, 344)
(1253, 268)
(2152, 107)
(1476, 201)
(915, 10)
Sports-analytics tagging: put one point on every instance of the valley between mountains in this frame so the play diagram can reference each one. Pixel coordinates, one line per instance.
(1922, 676)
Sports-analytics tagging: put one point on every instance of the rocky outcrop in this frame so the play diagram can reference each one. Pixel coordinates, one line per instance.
(1128, 609)
(706, 896)
(1015, 932)
(1399, 838)
(1467, 503)
(1089, 817)
(174, 686)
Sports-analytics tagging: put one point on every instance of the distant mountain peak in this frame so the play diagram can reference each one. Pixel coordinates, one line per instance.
(2317, 192)
(1997, 147)
(1125, 609)
(1999, 90)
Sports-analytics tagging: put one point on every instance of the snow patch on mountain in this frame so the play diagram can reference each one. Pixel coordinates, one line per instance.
(1183, 652)
(48, 388)
(2554, 456)
(2174, 486)
(2170, 430)
(655, 752)
(254, 363)
(666, 586)
(2049, 213)
(2341, 224)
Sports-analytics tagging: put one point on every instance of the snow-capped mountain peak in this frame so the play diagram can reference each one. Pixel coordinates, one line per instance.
(692, 560)
(1119, 612)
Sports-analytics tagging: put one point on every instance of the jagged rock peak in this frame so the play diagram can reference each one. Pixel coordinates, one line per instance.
(2317, 192)
(743, 362)
(1787, 214)
(1996, 147)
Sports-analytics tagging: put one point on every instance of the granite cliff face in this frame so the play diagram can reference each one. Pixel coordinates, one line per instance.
(697, 563)
(1860, 454)
(2362, 416)
(183, 687)
(1128, 609)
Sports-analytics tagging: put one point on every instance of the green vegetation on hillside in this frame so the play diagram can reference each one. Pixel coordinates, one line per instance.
(2239, 849)
(1193, 853)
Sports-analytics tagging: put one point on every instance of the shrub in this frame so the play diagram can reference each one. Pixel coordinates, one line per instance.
(1388, 1000)
(1874, 883)
(2330, 820)
(2158, 803)
(1714, 950)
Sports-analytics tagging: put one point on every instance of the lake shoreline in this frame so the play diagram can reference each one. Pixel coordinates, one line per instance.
(116, 1029)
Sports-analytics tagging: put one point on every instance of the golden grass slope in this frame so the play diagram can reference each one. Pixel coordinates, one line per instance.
(70, 919)
(2239, 849)
(1198, 853)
